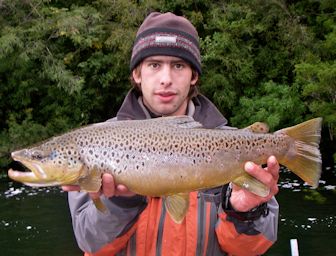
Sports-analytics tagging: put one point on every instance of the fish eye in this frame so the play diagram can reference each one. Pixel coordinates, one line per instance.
(36, 154)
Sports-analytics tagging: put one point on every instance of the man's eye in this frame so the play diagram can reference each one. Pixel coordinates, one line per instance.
(154, 65)
(179, 66)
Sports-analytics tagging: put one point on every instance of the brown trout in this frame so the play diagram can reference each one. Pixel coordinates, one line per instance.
(168, 157)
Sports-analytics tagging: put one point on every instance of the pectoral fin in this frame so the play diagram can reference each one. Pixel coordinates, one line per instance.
(177, 206)
(251, 184)
(92, 182)
(99, 204)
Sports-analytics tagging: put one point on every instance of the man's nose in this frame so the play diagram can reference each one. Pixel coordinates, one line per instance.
(166, 76)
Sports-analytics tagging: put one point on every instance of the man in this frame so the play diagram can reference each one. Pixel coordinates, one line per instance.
(228, 220)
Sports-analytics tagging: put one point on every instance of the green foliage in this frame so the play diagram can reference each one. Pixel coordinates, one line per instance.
(318, 84)
(278, 105)
(66, 63)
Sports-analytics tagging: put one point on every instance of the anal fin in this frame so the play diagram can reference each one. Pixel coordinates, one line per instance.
(251, 184)
(177, 206)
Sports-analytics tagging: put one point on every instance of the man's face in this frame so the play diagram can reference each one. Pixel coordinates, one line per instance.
(165, 82)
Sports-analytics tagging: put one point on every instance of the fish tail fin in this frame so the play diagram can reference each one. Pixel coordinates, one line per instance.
(306, 162)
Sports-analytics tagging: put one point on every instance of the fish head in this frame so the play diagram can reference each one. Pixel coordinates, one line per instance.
(52, 163)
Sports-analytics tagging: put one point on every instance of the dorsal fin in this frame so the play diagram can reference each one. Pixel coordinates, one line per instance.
(257, 127)
(179, 121)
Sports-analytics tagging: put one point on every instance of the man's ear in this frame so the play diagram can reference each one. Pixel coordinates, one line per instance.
(136, 76)
(194, 78)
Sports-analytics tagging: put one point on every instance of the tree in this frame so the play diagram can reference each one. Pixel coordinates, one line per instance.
(65, 63)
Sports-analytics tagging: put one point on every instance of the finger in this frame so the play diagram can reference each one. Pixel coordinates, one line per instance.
(273, 167)
(274, 189)
(122, 190)
(108, 185)
(70, 188)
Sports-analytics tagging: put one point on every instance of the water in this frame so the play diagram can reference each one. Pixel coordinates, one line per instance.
(36, 222)
(307, 215)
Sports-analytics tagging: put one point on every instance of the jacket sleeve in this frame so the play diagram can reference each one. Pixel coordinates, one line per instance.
(248, 237)
(92, 228)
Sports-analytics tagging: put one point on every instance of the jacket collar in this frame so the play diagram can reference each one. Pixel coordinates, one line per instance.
(200, 108)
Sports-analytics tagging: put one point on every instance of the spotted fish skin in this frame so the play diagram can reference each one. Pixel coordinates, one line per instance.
(156, 159)
(168, 156)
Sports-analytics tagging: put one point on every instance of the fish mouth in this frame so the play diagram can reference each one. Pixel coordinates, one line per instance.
(30, 179)
(44, 174)
(36, 177)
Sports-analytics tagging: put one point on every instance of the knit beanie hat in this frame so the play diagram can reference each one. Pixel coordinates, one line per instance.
(167, 34)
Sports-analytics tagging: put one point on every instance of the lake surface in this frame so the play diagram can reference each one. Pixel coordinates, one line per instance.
(36, 222)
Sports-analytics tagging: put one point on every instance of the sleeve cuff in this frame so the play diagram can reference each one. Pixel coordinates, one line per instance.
(251, 215)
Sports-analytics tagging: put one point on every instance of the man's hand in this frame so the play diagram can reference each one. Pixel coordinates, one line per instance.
(242, 200)
(108, 188)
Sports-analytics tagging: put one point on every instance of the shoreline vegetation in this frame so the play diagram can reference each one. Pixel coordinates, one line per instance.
(64, 64)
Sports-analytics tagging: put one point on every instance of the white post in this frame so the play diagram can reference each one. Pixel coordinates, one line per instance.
(294, 247)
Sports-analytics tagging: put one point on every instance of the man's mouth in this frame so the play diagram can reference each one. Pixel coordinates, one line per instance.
(166, 96)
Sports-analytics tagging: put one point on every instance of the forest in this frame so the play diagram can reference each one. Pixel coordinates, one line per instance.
(65, 64)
